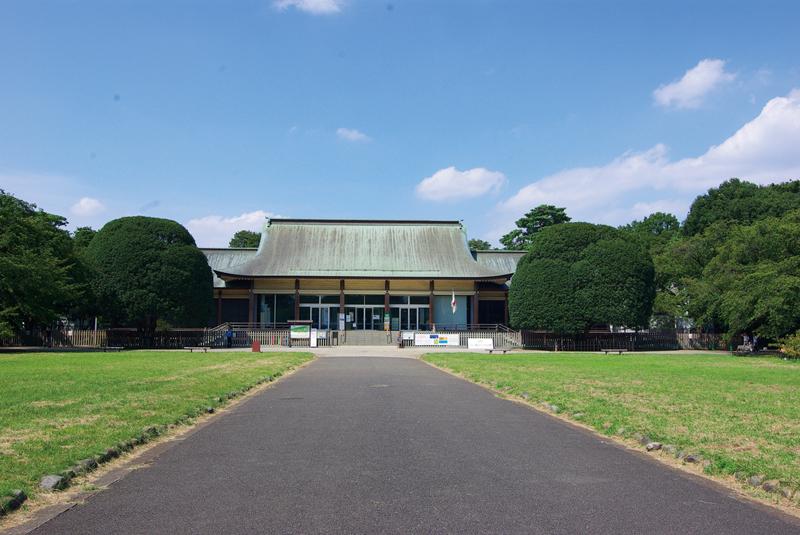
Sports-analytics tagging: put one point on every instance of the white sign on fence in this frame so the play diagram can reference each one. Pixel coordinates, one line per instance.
(299, 332)
(480, 343)
(424, 339)
(408, 335)
(313, 338)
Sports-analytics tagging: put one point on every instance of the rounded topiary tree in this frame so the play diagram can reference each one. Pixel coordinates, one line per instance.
(150, 269)
(577, 275)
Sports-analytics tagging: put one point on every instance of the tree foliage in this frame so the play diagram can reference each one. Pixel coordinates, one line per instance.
(40, 275)
(577, 275)
(476, 244)
(744, 278)
(656, 232)
(82, 236)
(743, 203)
(531, 223)
(150, 269)
(245, 238)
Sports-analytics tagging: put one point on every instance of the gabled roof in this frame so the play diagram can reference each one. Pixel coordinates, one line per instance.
(500, 260)
(297, 248)
(225, 258)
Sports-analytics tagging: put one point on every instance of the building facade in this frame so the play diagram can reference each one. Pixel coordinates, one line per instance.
(362, 275)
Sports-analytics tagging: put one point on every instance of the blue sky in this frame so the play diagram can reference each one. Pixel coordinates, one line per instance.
(218, 114)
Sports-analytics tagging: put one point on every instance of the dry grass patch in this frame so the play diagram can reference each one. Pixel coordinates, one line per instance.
(742, 414)
(59, 408)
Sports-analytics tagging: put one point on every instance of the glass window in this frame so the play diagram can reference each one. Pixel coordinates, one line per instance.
(284, 308)
(419, 300)
(395, 317)
(424, 322)
(354, 299)
(331, 299)
(398, 299)
(373, 299)
(309, 299)
(266, 309)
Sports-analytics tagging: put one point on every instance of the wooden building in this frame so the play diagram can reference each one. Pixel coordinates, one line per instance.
(371, 275)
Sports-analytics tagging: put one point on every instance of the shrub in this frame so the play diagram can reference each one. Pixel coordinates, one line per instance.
(577, 275)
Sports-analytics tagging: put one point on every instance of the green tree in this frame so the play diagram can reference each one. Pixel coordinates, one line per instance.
(657, 231)
(476, 244)
(245, 238)
(752, 282)
(37, 266)
(82, 236)
(531, 223)
(576, 275)
(738, 202)
(149, 270)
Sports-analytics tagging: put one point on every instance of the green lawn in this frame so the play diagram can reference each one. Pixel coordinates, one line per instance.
(58, 408)
(743, 414)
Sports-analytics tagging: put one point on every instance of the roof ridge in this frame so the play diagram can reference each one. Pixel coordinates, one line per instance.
(367, 221)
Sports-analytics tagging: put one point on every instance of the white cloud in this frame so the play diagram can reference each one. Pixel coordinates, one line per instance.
(86, 207)
(764, 150)
(451, 184)
(315, 7)
(217, 231)
(697, 82)
(351, 134)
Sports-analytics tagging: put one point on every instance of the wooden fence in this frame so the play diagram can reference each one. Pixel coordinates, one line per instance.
(500, 339)
(57, 338)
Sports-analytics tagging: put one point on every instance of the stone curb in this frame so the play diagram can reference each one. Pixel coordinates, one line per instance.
(12, 502)
(56, 482)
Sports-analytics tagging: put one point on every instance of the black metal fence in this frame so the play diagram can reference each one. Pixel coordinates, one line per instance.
(600, 341)
(171, 339)
(640, 341)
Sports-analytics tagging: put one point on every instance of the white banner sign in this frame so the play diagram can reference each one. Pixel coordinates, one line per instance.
(480, 343)
(313, 338)
(421, 339)
(408, 335)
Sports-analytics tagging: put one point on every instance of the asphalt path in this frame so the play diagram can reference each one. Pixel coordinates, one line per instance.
(383, 445)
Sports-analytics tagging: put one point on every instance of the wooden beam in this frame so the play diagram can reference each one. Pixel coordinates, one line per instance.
(251, 299)
(430, 305)
(505, 309)
(475, 316)
(386, 296)
(297, 299)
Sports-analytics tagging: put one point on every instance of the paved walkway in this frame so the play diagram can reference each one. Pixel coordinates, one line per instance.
(382, 445)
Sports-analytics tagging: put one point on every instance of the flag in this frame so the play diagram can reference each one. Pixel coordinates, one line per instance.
(453, 303)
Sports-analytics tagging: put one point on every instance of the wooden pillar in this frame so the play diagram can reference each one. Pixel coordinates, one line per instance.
(505, 308)
(430, 305)
(219, 307)
(297, 299)
(475, 316)
(251, 298)
(386, 295)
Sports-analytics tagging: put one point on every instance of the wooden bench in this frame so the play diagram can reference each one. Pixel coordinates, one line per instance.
(493, 350)
(112, 348)
(619, 351)
(199, 348)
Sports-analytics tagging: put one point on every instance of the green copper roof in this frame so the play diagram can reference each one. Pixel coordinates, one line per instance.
(500, 260)
(505, 261)
(363, 249)
(224, 259)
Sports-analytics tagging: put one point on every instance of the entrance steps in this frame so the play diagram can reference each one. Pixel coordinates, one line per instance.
(365, 338)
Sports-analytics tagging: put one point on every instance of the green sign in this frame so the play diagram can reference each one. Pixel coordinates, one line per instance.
(300, 331)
